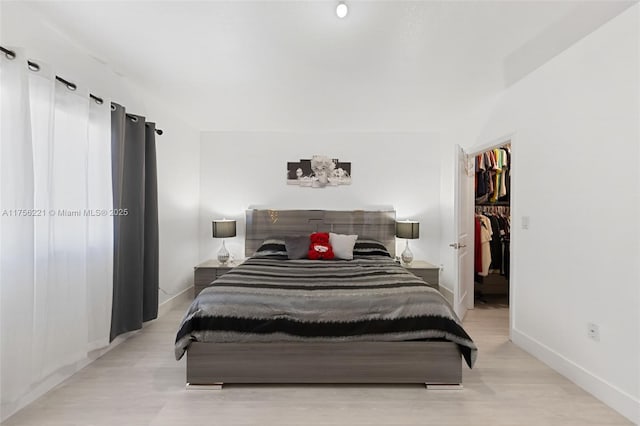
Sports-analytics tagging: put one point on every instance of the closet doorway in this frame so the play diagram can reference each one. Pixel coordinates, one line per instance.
(492, 226)
(494, 290)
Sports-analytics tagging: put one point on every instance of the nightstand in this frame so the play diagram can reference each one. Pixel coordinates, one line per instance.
(425, 270)
(209, 271)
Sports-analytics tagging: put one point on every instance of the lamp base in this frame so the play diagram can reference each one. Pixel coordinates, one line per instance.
(407, 255)
(223, 254)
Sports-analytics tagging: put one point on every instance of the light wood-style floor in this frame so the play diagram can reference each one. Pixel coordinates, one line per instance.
(139, 383)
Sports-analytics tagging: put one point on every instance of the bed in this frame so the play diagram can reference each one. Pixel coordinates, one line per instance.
(366, 320)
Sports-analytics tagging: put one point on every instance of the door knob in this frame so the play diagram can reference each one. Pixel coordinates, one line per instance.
(457, 246)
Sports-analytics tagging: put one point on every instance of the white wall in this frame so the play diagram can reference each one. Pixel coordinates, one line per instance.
(177, 150)
(576, 175)
(240, 169)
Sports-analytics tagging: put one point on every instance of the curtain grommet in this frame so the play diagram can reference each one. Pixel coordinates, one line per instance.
(71, 86)
(10, 54)
(97, 100)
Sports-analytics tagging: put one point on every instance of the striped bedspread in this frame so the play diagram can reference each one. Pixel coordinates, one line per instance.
(270, 300)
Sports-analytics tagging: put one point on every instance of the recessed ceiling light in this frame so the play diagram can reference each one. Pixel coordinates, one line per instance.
(342, 10)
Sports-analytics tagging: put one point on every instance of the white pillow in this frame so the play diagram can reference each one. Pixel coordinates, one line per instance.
(342, 245)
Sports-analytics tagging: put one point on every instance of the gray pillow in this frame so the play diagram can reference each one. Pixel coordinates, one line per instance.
(297, 247)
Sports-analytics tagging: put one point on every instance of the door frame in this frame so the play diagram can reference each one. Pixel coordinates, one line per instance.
(513, 246)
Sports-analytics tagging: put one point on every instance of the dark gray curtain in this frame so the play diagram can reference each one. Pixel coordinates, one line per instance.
(135, 257)
(151, 246)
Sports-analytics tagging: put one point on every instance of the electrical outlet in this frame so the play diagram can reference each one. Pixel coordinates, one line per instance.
(593, 331)
(525, 222)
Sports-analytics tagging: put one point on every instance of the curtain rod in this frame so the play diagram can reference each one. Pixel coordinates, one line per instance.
(10, 54)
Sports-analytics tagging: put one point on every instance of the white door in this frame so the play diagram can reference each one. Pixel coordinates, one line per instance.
(464, 231)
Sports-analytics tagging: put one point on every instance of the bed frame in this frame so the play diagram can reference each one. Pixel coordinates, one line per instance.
(436, 364)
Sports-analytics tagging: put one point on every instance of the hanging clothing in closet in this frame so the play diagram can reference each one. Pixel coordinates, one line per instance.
(492, 240)
(493, 176)
(482, 245)
(499, 241)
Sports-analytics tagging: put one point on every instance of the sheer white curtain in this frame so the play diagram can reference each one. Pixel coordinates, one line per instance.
(100, 235)
(56, 234)
(16, 233)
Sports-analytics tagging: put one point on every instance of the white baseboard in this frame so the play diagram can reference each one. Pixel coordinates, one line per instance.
(616, 398)
(180, 298)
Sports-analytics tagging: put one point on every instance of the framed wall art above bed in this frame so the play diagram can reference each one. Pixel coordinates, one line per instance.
(318, 172)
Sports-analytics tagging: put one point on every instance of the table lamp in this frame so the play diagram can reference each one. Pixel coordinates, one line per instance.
(409, 230)
(223, 228)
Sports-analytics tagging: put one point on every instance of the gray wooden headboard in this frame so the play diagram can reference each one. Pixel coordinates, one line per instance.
(261, 224)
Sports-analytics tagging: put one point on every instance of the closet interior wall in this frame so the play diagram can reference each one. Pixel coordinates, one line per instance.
(492, 225)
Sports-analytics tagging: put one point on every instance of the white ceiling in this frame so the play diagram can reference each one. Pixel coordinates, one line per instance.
(277, 65)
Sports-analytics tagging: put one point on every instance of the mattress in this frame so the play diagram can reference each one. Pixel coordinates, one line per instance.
(276, 300)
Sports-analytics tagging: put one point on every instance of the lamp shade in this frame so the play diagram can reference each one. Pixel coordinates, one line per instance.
(408, 229)
(224, 228)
